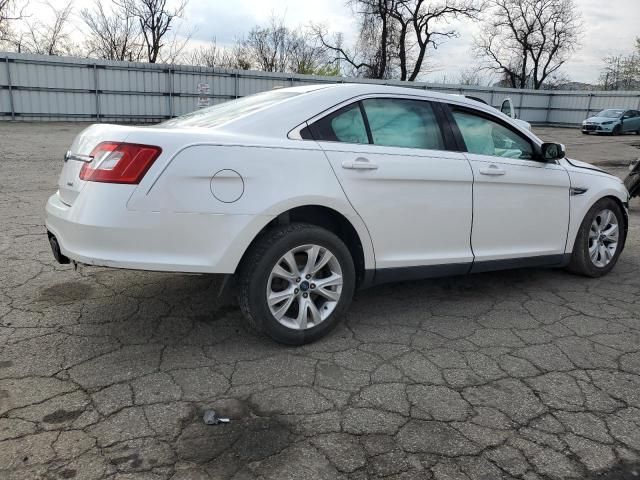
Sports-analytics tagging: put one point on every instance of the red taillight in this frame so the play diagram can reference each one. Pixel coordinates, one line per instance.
(115, 162)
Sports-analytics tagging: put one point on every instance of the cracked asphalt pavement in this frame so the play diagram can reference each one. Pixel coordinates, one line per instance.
(105, 374)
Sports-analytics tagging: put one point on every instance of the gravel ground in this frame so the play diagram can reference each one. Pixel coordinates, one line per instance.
(528, 374)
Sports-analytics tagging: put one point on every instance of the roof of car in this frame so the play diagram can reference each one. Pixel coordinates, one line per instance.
(313, 100)
(376, 88)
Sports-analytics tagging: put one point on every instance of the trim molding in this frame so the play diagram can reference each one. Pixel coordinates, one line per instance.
(524, 262)
(399, 274)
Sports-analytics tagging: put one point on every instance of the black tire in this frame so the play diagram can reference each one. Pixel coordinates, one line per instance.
(632, 182)
(581, 263)
(617, 130)
(255, 270)
(585, 133)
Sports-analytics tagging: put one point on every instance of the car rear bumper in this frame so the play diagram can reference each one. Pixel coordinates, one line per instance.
(99, 230)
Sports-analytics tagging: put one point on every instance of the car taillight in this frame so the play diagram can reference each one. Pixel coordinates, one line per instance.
(116, 162)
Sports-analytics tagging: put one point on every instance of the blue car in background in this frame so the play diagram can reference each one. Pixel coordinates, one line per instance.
(614, 121)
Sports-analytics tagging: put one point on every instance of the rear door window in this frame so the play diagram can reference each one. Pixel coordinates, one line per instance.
(407, 123)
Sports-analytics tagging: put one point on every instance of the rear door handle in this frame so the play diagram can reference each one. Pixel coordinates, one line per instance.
(359, 163)
(492, 170)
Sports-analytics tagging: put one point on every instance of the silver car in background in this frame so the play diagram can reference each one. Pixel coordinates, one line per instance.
(614, 121)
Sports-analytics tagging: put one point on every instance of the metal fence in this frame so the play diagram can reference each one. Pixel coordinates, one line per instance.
(38, 87)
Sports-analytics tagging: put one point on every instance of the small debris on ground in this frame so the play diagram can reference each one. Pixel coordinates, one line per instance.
(212, 418)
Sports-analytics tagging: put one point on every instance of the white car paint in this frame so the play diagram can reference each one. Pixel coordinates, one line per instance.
(212, 191)
(508, 109)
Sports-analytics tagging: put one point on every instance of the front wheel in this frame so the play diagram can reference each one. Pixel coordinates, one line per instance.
(599, 241)
(617, 130)
(296, 282)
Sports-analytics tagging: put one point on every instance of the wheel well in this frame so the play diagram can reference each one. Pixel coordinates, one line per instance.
(326, 218)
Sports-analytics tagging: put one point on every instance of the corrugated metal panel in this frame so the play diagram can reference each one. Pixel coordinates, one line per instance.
(59, 88)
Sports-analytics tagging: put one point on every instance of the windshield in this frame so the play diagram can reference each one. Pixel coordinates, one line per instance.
(224, 112)
(611, 113)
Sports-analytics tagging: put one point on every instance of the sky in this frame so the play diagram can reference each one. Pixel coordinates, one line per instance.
(610, 27)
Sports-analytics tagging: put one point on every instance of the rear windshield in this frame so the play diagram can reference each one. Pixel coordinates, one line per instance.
(224, 112)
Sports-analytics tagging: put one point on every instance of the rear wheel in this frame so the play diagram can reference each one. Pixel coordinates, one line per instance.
(599, 241)
(296, 282)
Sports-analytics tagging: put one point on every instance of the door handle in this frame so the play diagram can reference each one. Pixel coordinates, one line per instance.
(359, 163)
(492, 170)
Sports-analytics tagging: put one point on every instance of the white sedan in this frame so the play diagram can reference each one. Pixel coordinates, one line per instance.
(305, 194)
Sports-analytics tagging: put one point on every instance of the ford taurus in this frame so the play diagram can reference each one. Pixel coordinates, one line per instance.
(304, 194)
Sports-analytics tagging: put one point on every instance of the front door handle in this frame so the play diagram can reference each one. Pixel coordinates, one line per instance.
(359, 163)
(492, 170)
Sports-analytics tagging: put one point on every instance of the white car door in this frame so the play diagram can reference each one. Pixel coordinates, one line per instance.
(414, 196)
(520, 204)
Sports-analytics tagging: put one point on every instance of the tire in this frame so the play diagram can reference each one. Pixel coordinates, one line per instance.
(581, 260)
(616, 130)
(585, 133)
(255, 277)
(632, 183)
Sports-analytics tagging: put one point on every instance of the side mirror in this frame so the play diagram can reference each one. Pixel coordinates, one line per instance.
(552, 151)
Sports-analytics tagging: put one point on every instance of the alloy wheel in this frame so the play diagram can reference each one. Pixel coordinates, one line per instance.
(603, 238)
(304, 286)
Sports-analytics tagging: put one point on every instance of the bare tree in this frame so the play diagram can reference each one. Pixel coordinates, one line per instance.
(470, 76)
(276, 48)
(112, 35)
(426, 25)
(527, 41)
(395, 35)
(213, 55)
(308, 56)
(8, 14)
(268, 46)
(372, 54)
(155, 19)
(622, 72)
(50, 36)
(175, 46)
(210, 55)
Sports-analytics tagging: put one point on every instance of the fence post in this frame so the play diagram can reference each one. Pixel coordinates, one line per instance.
(95, 84)
(520, 105)
(170, 91)
(546, 118)
(589, 106)
(236, 87)
(492, 99)
(13, 112)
